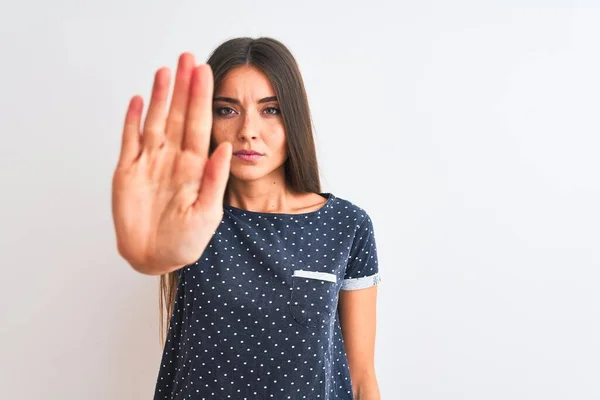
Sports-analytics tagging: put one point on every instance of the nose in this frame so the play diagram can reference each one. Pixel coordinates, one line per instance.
(249, 128)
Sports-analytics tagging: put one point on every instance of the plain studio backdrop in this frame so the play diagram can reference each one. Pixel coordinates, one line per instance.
(468, 130)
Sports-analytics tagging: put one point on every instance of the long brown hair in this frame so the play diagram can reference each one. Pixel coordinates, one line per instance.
(276, 61)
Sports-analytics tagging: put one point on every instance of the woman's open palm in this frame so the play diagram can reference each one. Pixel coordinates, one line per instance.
(167, 194)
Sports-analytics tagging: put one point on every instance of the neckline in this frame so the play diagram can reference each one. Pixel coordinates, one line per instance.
(329, 196)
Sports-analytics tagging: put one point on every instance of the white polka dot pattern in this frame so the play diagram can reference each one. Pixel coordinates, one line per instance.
(246, 326)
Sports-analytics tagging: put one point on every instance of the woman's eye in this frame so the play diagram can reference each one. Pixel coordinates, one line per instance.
(224, 111)
(272, 110)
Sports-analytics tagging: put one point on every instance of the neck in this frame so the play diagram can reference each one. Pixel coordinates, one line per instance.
(263, 195)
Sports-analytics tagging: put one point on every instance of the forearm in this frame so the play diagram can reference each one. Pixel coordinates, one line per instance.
(366, 390)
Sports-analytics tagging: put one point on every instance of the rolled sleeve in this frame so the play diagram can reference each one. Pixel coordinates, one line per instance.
(362, 270)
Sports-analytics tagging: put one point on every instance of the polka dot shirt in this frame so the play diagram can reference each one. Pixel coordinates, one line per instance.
(256, 316)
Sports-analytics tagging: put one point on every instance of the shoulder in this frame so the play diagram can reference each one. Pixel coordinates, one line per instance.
(349, 210)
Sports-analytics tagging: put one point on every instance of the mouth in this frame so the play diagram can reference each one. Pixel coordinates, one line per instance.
(247, 155)
(246, 152)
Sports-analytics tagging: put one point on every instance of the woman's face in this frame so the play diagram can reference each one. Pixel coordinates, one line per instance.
(246, 113)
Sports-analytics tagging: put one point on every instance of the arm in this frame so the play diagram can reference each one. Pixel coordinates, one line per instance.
(357, 309)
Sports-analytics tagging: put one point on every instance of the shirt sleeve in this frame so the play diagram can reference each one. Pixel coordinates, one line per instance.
(362, 270)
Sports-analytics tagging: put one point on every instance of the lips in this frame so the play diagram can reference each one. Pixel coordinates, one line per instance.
(247, 153)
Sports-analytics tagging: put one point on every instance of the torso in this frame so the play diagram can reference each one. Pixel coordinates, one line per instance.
(256, 316)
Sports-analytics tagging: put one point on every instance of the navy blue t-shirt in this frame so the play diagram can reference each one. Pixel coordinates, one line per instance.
(256, 316)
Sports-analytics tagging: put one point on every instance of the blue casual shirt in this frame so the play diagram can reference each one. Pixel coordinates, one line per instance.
(256, 316)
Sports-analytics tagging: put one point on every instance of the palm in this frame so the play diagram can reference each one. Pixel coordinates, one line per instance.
(167, 194)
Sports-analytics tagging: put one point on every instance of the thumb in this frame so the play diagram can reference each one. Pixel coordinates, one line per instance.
(215, 177)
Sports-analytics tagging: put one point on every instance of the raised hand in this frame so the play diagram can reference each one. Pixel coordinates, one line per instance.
(167, 194)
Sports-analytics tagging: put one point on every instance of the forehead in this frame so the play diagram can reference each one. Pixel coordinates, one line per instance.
(245, 82)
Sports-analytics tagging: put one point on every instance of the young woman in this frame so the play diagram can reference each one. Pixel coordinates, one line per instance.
(269, 283)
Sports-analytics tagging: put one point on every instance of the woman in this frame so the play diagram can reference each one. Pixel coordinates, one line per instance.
(260, 270)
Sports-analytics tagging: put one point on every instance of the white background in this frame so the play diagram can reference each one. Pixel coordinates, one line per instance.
(467, 130)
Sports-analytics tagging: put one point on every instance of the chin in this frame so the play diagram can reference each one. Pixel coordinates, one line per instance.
(248, 174)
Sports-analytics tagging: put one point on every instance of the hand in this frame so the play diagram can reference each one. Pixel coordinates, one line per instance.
(167, 194)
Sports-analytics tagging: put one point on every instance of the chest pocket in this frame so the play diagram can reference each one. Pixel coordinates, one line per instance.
(312, 298)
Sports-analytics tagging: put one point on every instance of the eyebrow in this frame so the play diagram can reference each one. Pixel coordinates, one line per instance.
(236, 101)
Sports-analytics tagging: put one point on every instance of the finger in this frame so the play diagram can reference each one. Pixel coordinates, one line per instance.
(179, 102)
(130, 140)
(199, 120)
(155, 124)
(215, 177)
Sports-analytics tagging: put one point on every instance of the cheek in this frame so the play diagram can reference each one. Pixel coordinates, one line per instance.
(277, 144)
(220, 132)
(283, 146)
(278, 138)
